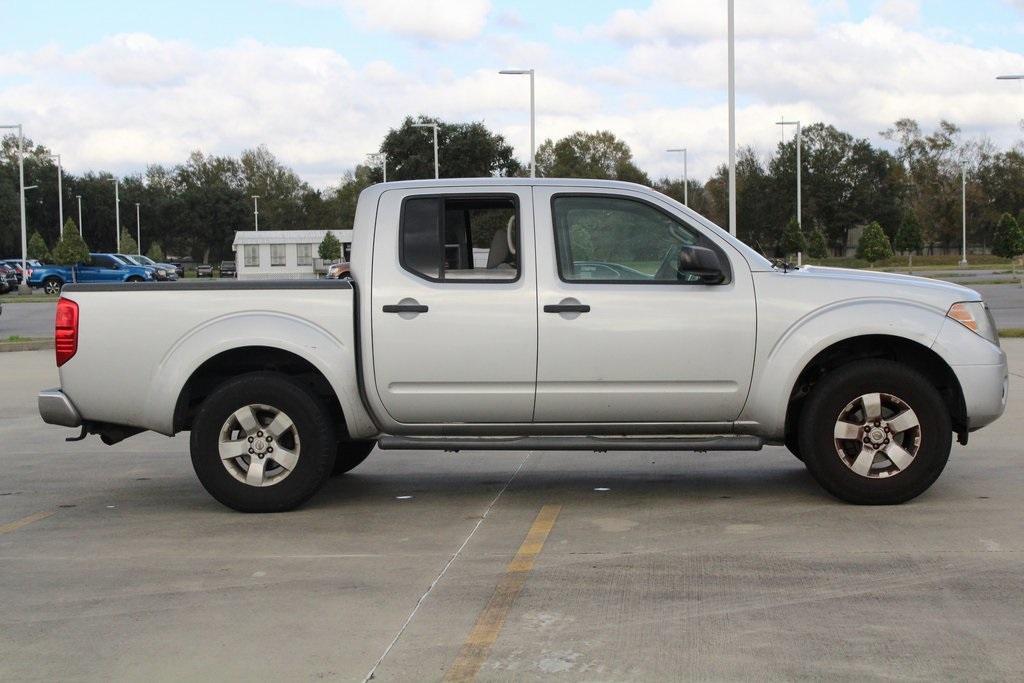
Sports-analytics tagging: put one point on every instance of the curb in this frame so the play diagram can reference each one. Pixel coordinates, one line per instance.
(34, 345)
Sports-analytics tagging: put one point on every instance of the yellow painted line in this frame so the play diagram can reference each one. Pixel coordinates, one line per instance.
(25, 521)
(477, 646)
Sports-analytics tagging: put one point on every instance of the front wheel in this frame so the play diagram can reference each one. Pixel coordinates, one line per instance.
(263, 443)
(134, 278)
(53, 285)
(875, 432)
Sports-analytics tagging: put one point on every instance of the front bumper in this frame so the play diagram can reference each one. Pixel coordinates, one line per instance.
(57, 409)
(985, 388)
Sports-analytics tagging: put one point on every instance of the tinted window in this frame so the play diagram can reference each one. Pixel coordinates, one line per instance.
(102, 261)
(460, 238)
(604, 238)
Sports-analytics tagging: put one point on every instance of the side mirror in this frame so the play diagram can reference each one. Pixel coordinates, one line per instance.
(703, 263)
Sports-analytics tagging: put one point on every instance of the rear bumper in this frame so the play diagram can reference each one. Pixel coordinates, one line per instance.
(57, 409)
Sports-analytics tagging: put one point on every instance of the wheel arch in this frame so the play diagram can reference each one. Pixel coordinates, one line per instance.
(243, 359)
(881, 346)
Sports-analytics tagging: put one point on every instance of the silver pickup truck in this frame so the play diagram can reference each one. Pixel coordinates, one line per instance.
(497, 314)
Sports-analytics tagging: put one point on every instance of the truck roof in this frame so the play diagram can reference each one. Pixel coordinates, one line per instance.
(506, 182)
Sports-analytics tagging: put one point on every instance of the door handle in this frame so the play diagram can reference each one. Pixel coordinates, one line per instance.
(405, 308)
(566, 308)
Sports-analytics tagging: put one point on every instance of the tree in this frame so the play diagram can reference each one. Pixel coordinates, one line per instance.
(464, 150)
(155, 252)
(1008, 240)
(793, 239)
(908, 236)
(589, 155)
(817, 244)
(37, 247)
(874, 244)
(71, 248)
(128, 243)
(330, 247)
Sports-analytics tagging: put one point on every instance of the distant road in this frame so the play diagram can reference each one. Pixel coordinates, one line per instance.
(36, 319)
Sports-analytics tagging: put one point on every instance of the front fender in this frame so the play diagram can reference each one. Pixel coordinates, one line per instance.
(333, 357)
(788, 351)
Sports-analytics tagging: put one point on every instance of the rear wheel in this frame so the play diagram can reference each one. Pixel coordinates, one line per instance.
(262, 443)
(351, 454)
(134, 278)
(53, 285)
(875, 432)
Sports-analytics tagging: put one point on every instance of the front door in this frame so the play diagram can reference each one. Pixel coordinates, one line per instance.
(454, 305)
(624, 334)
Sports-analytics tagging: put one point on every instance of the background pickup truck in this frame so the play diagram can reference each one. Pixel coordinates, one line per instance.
(496, 314)
(100, 268)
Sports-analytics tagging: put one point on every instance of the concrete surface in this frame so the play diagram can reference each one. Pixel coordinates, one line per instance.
(691, 566)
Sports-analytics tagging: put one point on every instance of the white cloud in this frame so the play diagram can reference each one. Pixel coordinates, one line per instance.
(434, 20)
(904, 12)
(679, 19)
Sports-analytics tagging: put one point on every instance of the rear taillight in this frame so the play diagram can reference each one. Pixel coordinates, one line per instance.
(28, 274)
(65, 334)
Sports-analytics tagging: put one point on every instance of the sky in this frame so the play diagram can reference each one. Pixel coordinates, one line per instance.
(118, 85)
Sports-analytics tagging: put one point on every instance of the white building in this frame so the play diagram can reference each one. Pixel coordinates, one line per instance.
(282, 254)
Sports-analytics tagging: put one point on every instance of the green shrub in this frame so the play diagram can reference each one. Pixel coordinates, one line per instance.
(874, 244)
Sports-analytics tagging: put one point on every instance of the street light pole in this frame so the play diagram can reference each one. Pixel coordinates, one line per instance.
(117, 211)
(437, 173)
(963, 207)
(686, 176)
(256, 210)
(138, 229)
(24, 287)
(79, 198)
(383, 159)
(533, 116)
(799, 144)
(732, 117)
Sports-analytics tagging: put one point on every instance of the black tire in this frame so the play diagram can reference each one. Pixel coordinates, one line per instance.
(52, 285)
(844, 385)
(134, 278)
(351, 454)
(793, 444)
(312, 421)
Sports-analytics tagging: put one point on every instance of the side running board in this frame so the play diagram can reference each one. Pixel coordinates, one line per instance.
(571, 443)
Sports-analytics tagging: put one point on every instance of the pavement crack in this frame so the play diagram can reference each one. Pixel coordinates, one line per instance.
(444, 570)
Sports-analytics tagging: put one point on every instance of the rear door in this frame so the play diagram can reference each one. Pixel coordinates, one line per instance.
(640, 341)
(454, 317)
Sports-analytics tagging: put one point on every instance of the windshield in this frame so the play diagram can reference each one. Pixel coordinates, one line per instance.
(143, 260)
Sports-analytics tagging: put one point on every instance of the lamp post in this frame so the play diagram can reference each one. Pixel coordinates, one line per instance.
(138, 229)
(434, 126)
(963, 208)
(79, 198)
(117, 210)
(1011, 77)
(382, 159)
(24, 287)
(686, 175)
(533, 116)
(799, 144)
(256, 210)
(732, 117)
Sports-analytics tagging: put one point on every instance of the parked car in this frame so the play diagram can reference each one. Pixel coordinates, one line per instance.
(8, 278)
(179, 268)
(227, 269)
(16, 264)
(865, 376)
(204, 270)
(339, 271)
(99, 268)
(164, 271)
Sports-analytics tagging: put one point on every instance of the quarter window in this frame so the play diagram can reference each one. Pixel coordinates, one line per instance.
(455, 238)
(304, 254)
(277, 254)
(617, 239)
(252, 256)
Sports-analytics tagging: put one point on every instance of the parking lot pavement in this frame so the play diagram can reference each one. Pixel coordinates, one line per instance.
(115, 564)
(1006, 302)
(27, 319)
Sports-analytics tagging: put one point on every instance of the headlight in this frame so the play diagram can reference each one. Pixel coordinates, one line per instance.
(161, 271)
(975, 316)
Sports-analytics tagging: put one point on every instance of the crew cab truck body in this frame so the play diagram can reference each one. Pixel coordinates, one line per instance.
(490, 314)
(99, 268)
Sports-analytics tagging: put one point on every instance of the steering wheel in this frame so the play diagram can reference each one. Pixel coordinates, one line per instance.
(508, 235)
(669, 268)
